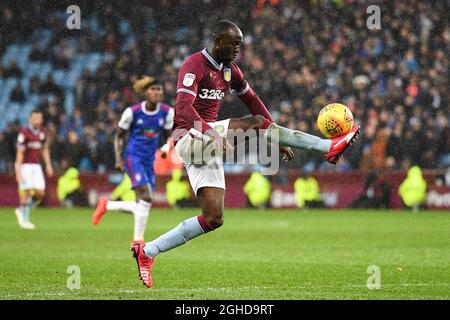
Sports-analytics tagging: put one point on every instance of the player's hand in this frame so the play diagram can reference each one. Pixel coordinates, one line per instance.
(165, 150)
(49, 170)
(220, 142)
(287, 153)
(18, 178)
(120, 165)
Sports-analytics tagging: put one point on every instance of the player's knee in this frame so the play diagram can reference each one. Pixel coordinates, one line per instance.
(39, 194)
(146, 198)
(215, 221)
(143, 194)
(257, 121)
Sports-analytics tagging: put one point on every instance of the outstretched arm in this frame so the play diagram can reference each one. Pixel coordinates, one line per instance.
(168, 125)
(121, 134)
(119, 142)
(18, 163)
(47, 159)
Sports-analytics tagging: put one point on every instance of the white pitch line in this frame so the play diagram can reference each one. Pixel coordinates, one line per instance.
(224, 289)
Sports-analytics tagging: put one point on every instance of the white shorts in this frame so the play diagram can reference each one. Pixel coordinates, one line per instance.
(208, 170)
(32, 177)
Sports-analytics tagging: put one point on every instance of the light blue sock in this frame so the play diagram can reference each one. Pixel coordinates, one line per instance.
(25, 212)
(298, 139)
(33, 202)
(185, 231)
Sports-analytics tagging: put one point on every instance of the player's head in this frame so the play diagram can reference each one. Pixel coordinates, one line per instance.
(150, 87)
(227, 39)
(36, 119)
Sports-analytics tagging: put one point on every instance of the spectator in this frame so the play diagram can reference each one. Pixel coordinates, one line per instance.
(75, 150)
(12, 70)
(298, 56)
(17, 94)
(69, 190)
(257, 189)
(376, 194)
(4, 155)
(37, 54)
(307, 193)
(35, 85)
(393, 150)
(178, 191)
(413, 190)
(62, 54)
(50, 87)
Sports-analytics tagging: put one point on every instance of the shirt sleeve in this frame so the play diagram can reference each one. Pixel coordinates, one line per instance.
(169, 120)
(45, 133)
(21, 139)
(238, 85)
(188, 79)
(126, 119)
(189, 76)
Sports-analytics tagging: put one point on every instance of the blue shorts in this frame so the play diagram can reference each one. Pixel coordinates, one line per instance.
(140, 171)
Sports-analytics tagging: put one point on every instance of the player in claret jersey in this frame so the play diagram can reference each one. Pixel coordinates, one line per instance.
(203, 80)
(31, 143)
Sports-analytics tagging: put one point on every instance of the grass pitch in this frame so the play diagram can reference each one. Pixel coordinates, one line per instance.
(264, 254)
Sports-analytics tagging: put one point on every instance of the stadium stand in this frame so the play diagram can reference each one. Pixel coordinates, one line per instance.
(395, 80)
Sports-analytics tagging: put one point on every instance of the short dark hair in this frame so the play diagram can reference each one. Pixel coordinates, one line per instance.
(222, 26)
(35, 111)
(156, 82)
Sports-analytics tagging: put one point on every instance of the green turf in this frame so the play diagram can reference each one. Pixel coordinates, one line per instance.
(256, 255)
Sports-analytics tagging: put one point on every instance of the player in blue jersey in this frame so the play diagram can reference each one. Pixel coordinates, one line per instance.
(148, 125)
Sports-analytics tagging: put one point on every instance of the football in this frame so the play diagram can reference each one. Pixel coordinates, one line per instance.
(335, 120)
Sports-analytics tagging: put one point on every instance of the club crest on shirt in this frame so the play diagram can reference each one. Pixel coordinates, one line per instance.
(227, 74)
(140, 121)
(188, 79)
(161, 122)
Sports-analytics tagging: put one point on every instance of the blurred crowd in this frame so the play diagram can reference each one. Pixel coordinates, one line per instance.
(297, 55)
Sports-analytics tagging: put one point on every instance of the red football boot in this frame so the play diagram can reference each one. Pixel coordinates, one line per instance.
(339, 144)
(100, 210)
(144, 262)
